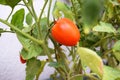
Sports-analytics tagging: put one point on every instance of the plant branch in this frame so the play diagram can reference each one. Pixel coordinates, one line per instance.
(74, 10)
(82, 75)
(28, 8)
(99, 42)
(21, 32)
(39, 19)
(10, 14)
(48, 15)
(40, 42)
(46, 1)
(33, 10)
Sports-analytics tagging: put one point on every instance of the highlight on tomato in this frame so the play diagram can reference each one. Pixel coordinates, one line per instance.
(65, 32)
(22, 60)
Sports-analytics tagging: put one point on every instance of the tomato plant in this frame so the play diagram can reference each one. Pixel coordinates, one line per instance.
(65, 32)
(87, 29)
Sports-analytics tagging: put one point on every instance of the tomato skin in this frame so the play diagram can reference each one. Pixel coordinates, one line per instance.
(22, 60)
(65, 32)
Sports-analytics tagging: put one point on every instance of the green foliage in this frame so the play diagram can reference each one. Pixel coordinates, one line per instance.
(77, 78)
(33, 51)
(104, 27)
(3, 2)
(18, 18)
(91, 59)
(12, 3)
(91, 11)
(61, 9)
(29, 19)
(54, 64)
(116, 46)
(116, 50)
(44, 27)
(30, 49)
(33, 66)
(110, 73)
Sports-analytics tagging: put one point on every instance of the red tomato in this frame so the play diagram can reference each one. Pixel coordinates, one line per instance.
(65, 32)
(22, 60)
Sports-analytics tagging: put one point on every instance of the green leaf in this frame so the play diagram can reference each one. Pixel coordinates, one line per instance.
(110, 10)
(3, 2)
(12, 3)
(43, 25)
(55, 64)
(41, 68)
(117, 79)
(116, 46)
(104, 27)
(61, 8)
(27, 29)
(33, 51)
(30, 49)
(18, 18)
(33, 66)
(77, 78)
(91, 59)
(117, 55)
(116, 50)
(30, 2)
(44, 28)
(91, 11)
(29, 19)
(110, 73)
(24, 41)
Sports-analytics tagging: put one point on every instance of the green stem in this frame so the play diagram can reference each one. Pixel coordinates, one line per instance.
(33, 10)
(48, 15)
(22, 33)
(28, 8)
(10, 14)
(72, 68)
(37, 22)
(39, 19)
(107, 52)
(82, 75)
(47, 51)
(42, 10)
(74, 10)
(21, 4)
(7, 31)
(78, 75)
(33, 13)
(99, 42)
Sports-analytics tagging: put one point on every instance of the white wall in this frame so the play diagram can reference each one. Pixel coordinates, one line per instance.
(10, 66)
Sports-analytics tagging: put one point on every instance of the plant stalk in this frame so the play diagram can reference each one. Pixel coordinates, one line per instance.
(21, 32)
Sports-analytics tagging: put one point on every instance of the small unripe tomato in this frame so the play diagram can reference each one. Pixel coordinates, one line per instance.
(22, 60)
(65, 32)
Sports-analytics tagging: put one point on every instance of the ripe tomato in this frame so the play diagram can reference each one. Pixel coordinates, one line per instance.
(65, 32)
(22, 60)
